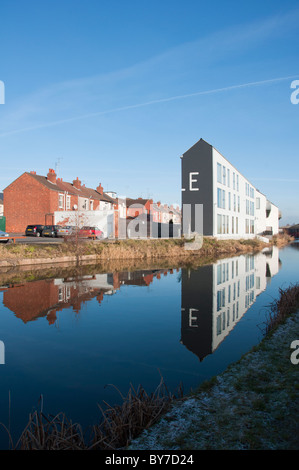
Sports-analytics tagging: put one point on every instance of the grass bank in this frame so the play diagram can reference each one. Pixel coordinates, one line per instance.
(171, 249)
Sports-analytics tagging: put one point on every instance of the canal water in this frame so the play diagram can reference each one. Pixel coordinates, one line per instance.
(67, 338)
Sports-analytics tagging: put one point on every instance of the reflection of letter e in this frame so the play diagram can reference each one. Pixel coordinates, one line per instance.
(2, 352)
(191, 181)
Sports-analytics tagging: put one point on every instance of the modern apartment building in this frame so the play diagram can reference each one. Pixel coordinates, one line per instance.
(232, 206)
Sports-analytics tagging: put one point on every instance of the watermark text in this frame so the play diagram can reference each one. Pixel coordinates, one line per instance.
(295, 93)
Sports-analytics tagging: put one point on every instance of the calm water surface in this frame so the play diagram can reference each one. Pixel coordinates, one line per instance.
(67, 338)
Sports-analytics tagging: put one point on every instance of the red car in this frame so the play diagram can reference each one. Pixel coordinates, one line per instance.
(91, 232)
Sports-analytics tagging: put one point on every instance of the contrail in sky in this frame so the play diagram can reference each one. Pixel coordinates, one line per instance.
(152, 102)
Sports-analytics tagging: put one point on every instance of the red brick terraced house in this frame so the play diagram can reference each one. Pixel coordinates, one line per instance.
(33, 199)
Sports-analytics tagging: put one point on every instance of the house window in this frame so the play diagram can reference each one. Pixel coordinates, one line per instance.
(61, 201)
(91, 206)
(68, 202)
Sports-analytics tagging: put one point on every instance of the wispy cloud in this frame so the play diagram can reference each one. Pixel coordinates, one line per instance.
(146, 83)
(150, 103)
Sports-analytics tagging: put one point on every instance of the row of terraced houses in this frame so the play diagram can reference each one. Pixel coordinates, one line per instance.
(48, 200)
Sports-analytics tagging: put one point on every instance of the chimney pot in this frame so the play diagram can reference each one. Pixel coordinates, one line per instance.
(51, 176)
(100, 189)
(77, 183)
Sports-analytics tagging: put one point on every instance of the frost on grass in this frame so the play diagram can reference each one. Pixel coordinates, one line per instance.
(254, 404)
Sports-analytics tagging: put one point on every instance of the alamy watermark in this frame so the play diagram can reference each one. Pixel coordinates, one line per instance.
(295, 355)
(2, 92)
(295, 93)
(2, 353)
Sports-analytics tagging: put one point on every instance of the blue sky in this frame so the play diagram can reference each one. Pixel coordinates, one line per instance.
(115, 91)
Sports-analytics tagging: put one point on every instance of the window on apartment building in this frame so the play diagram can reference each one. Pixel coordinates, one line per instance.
(220, 198)
(229, 201)
(233, 225)
(223, 224)
(234, 180)
(219, 224)
(224, 175)
(238, 203)
(228, 177)
(251, 226)
(68, 202)
(237, 226)
(237, 182)
(219, 173)
(258, 203)
(247, 207)
(246, 225)
(234, 202)
(61, 201)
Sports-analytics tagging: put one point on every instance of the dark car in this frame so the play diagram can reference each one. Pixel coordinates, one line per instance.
(50, 230)
(34, 230)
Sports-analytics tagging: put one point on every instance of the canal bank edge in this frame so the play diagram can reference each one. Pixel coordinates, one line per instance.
(252, 405)
(25, 255)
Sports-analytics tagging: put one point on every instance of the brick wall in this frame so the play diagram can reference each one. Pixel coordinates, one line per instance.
(26, 201)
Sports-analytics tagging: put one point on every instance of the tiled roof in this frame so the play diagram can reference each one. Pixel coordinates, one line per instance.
(62, 186)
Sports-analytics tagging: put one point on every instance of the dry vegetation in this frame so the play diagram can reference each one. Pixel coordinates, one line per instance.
(138, 411)
(130, 249)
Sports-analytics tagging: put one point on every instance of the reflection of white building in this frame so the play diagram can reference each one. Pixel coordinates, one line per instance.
(232, 206)
(215, 297)
(236, 284)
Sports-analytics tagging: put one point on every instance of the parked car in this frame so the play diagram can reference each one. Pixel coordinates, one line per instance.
(91, 232)
(34, 230)
(66, 231)
(4, 237)
(50, 231)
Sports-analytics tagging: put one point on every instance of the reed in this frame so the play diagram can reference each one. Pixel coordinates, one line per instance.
(286, 304)
(118, 426)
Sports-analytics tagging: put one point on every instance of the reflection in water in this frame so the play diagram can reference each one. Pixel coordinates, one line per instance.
(163, 327)
(215, 297)
(44, 298)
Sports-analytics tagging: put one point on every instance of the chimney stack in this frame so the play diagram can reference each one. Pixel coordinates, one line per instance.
(51, 176)
(77, 183)
(100, 189)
